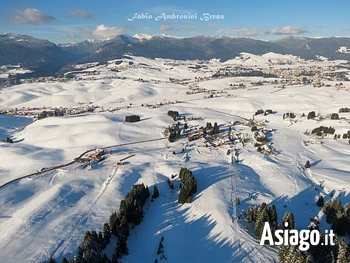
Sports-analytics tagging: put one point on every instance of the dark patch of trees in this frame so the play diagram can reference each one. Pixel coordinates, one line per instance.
(216, 129)
(320, 201)
(311, 115)
(189, 186)
(155, 192)
(174, 133)
(267, 112)
(341, 110)
(290, 115)
(334, 116)
(260, 215)
(173, 114)
(210, 129)
(130, 212)
(323, 130)
(8, 140)
(258, 112)
(307, 164)
(338, 216)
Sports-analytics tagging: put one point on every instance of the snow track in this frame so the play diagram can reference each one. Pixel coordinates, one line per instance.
(80, 218)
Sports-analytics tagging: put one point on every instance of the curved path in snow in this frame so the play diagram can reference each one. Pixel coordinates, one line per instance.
(75, 160)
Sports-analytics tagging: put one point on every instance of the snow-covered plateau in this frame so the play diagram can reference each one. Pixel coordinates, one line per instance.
(46, 215)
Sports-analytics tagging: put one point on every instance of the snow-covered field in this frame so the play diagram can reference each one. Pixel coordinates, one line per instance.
(46, 216)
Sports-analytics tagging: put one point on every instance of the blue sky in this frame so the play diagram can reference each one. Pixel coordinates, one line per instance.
(71, 21)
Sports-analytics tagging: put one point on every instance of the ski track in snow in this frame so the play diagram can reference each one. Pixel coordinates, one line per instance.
(46, 216)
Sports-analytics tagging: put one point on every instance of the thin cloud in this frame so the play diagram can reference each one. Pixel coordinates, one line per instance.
(80, 13)
(166, 27)
(30, 16)
(289, 30)
(101, 32)
(189, 28)
(262, 31)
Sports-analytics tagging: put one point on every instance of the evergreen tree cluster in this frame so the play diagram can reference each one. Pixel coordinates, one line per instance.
(173, 114)
(90, 250)
(307, 164)
(338, 216)
(289, 218)
(311, 115)
(320, 201)
(334, 116)
(189, 186)
(212, 129)
(292, 254)
(290, 115)
(260, 215)
(155, 192)
(258, 112)
(339, 253)
(261, 111)
(131, 211)
(175, 133)
(132, 206)
(341, 110)
(323, 130)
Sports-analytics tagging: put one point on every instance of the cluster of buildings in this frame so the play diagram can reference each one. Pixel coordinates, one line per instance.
(195, 89)
(43, 112)
(157, 105)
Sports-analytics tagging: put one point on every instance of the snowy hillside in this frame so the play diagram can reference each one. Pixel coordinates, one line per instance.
(46, 215)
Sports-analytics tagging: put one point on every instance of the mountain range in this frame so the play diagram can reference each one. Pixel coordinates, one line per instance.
(46, 58)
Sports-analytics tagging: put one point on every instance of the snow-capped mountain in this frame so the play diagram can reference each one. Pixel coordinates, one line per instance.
(43, 54)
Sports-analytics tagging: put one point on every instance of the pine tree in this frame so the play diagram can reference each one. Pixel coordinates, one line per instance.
(272, 215)
(238, 201)
(262, 217)
(155, 192)
(343, 254)
(320, 201)
(106, 233)
(288, 217)
(307, 164)
(283, 253)
(178, 134)
(216, 128)
(64, 260)
(309, 259)
(250, 214)
(115, 258)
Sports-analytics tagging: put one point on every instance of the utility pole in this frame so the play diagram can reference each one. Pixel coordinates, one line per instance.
(233, 200)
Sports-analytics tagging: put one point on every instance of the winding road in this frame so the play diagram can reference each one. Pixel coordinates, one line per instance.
(76, 160)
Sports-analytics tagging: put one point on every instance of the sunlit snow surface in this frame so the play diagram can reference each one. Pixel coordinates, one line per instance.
(47, 216)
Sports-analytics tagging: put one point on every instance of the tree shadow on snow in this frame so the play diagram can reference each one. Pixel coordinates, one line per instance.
(316, 163)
